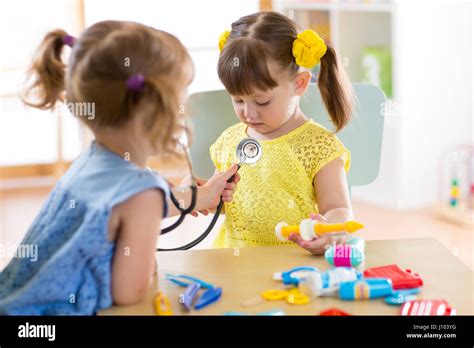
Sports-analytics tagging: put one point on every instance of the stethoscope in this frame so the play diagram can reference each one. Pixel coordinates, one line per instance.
(248, 151)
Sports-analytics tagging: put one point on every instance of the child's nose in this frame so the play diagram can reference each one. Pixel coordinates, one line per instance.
(249, 112)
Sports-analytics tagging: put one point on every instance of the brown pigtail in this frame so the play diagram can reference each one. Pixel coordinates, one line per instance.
(45, 78)
(336, 89)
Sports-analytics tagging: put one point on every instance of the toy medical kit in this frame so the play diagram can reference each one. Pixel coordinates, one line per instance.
(294, 275)
(209, 296)
(400, 279)
(193, 285)
(401, 296)
(187, 298)
(309, 229)
(334, 312)
(292, 296)
(185, 280)
(350, 254)
(327, 283)
(427, 307)
(367, 288)
(248, 151)
(162, 305)
(275, 294)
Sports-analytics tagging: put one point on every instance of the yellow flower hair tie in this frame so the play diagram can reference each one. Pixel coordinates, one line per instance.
(308, 49)
(223, 39)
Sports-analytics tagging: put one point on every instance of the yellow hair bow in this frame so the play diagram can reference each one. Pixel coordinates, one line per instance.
(223, 39)
(308, 49)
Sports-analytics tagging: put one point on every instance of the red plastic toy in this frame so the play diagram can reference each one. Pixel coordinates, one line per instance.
(334, 312)
(400, 279)
(427, 307)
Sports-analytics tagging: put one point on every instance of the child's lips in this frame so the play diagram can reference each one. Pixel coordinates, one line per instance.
(257, 124)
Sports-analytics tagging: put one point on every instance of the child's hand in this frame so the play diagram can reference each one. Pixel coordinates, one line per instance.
(199, 182)
(218, 186)
(317, 246)
(215, 187)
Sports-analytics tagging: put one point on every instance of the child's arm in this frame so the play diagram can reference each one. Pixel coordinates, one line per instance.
(334, 205)
(134, 258)
(332, 193)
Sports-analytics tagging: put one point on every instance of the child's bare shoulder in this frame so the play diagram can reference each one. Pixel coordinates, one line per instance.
(144, 206)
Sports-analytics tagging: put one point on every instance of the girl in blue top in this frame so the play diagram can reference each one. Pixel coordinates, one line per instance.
(96, 234)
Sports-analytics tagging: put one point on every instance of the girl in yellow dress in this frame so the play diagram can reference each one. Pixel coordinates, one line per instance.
(265, 66)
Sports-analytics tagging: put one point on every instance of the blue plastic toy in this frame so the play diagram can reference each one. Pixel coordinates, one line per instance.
(367, 288)
(192, 284)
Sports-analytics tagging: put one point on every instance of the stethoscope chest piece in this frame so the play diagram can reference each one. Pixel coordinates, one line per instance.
(248, 151)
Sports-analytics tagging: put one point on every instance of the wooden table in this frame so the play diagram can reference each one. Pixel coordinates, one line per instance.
(243, 273)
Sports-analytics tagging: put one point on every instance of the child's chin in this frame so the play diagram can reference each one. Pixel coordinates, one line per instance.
(258, 126)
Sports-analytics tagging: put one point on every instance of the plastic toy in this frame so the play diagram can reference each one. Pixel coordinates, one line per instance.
(400, 279)
(401, 296)
(310, 229)
(368, 288)
(455, 193)
(292, 296)
(456, 185)
(427, 307)
(327, 283)
(294, 275)
(187, 298)
(162, 305)
(209, 296)
(350, 254)
(185, 280)
(334, 312)
(192, 284)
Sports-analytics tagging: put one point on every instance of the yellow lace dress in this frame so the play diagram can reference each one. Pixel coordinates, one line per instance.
(279, 187)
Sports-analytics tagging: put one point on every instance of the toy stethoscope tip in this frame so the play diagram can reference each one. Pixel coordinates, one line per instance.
(352, 226)
(248, 151)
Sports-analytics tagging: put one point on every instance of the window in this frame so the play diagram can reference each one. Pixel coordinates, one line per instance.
(29, 136)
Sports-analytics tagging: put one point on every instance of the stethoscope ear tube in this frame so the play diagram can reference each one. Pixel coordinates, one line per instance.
(189, 209)
(202, 236)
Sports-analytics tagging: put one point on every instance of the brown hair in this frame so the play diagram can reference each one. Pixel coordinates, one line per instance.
(263, 37)
(101, 61)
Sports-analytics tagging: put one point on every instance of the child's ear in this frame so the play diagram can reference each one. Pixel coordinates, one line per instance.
(302, 82)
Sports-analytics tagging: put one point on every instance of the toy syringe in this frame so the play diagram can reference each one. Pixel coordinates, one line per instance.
(309, 229)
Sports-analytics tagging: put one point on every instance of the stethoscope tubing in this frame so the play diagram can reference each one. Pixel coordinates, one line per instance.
(192, 205)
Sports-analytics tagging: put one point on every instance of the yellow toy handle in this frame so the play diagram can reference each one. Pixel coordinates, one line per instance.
(292, 296)
(349, 226)
(309, 229)
(162, 305)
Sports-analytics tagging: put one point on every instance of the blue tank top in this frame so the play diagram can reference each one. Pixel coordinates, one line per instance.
(72, 270)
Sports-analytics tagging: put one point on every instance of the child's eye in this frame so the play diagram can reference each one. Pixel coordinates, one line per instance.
(238, 101)
(263, 104)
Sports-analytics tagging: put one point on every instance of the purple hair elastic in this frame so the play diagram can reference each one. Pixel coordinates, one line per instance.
(136, 82)
(69, 40)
